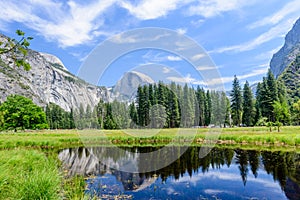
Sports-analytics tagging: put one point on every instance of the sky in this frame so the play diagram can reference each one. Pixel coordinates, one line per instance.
(238, 36)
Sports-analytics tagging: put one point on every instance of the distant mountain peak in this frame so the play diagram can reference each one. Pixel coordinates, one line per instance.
(126, 87)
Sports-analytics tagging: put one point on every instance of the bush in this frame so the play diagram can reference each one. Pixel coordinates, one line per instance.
(21, 113)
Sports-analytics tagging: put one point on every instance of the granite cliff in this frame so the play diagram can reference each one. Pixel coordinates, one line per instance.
(47, 81)
(288, 53)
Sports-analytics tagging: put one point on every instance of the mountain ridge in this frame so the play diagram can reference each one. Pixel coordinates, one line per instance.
(46, 82)
(287, 54)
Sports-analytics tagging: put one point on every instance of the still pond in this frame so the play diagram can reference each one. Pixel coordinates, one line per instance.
(220, 174)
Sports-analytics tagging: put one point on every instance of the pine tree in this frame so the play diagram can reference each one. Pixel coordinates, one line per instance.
(133, 115)
(109, 122)
(161, 108)
(248, 105)
(173, 110)
(100, 111)
(207, 108)
(267, 95)
(140, 106)
(200, 95)
(71, 118)
(257, 104)
(271, 95)
(187, 114)
(236, 102)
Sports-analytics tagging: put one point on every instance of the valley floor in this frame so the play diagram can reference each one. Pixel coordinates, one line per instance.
(29, 159)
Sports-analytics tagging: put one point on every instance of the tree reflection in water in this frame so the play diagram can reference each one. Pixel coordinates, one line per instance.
(283, 166)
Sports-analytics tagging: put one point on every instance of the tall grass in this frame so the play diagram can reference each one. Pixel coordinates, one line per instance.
(72, 138)
(28, 174)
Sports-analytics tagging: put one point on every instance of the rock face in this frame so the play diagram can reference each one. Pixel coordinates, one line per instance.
(47, 81)
(55, 60)
(126, 87)
(291, 79)
(288, 52)
(99, 160)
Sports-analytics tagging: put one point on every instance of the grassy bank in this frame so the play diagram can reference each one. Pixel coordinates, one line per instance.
(29, 174)
(29, 168)
(257, 136)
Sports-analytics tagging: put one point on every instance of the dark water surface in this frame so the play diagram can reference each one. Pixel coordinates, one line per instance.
(222, 174)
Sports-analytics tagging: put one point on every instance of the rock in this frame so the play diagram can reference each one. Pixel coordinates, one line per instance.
(126, 87)
(288, 52)
(55, 60)
(47, 81)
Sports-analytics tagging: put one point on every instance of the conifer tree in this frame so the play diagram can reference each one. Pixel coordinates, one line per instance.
(247, 117)
(207, 108)
(236, 102)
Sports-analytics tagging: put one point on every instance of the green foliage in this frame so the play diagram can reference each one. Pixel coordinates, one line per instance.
(296, 113)
(2, 121)
(109, 121)
(262, 121)
(281, 112)
(236, 102)
(219, 108)
(58, 118)
(21, 112)
(248, 106)
(133, 115)
(207, 109)
(17, 49)
(290, 79)
(270, 125)
(28, 174)
(86, 118)
(74, 188)
(266, 96)
(278, 124)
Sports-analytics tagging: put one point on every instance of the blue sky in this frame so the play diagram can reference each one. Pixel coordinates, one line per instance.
(239, 36)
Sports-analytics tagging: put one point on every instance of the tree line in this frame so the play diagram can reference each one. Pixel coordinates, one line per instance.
(270, 106)
(163, 106)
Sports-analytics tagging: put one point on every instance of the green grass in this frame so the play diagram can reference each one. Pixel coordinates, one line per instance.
(258, 136)
(28, 174)
(29, 168)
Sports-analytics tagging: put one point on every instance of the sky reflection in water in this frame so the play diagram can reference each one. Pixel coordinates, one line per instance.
(223, 174)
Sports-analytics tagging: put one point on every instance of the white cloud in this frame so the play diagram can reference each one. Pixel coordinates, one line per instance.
(212, 8)
(290, 8)
(150, 9)
(150, 56)
(205, 68)
(198, 56)
(123, 39)
(218, 81)
(69, 24)
(174, 58)
(166, 70)
(198, 22)
(181, 31)
(129, 38)
(277, 31)
(186, 79)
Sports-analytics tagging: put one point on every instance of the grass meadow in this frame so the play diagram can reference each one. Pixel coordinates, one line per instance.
(30, 169)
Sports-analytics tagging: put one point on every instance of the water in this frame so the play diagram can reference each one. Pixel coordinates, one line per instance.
(222, 174)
